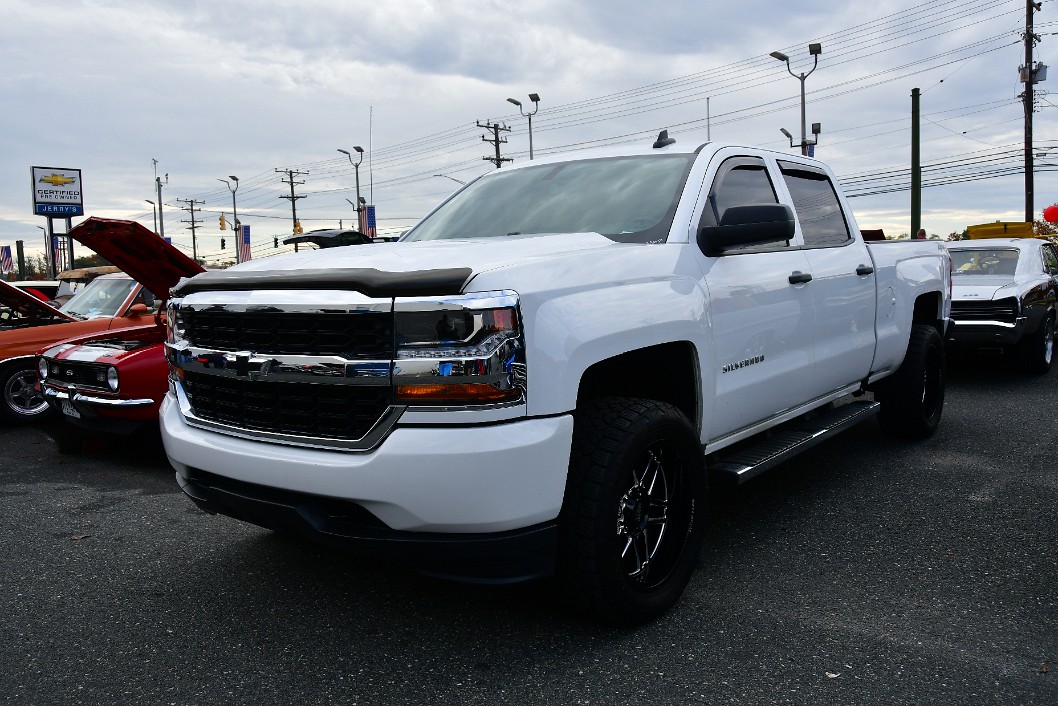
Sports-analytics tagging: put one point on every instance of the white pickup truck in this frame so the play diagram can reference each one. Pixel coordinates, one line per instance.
(535, 379)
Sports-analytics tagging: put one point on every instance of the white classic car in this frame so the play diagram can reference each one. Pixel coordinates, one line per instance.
(1003, 297)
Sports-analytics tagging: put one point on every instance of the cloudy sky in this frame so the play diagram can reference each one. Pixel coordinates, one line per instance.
(211, 88)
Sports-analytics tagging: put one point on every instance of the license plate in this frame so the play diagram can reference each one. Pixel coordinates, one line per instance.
(68, 409)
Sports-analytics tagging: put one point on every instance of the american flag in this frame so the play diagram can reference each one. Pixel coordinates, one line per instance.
(56, 253)
(6, 263)
(244, 245)
(367, 221)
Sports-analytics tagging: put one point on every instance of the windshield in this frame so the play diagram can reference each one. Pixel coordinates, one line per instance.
(992, 261)
(102, 297)
(630, 199)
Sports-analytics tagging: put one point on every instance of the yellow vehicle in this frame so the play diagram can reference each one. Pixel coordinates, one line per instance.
(1001, 229)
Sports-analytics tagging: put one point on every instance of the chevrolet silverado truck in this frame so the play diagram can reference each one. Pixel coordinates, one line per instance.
(534, 380)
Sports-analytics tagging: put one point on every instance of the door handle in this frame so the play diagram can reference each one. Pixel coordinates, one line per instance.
(864, 270)
(799, 277)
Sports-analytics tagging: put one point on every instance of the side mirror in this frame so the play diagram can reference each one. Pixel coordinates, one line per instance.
(756, 224)
(137, 310)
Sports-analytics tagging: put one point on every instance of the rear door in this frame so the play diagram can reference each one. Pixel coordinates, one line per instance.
(842, 288)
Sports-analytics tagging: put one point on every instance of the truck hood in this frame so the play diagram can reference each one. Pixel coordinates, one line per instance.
(982, 287)
(144, 256)
(14, 298)
(397, 269)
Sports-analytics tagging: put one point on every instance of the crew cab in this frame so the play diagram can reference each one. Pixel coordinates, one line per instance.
(532, 380)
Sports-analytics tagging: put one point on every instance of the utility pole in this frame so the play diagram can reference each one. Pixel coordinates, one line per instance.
(496, 141)
(1029, 78)
(291, 173)
(194, 224)
(916, 166)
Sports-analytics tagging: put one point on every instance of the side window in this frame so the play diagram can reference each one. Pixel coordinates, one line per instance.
(817, 206)
(1050, 260)
(740, 181)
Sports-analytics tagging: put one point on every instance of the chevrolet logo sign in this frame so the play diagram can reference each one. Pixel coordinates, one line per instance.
(57, 179)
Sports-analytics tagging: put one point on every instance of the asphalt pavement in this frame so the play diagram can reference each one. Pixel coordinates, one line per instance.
(867, 571)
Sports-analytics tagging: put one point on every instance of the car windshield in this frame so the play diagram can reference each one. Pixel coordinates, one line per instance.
(102, 297)
(630, 199)
(984, 261)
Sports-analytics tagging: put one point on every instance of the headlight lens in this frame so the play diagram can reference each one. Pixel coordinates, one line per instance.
(42, 368)
(112, 378)
(174, 328)
(466, 350)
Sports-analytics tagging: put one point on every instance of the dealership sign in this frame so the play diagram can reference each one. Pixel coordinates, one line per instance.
(57, 192)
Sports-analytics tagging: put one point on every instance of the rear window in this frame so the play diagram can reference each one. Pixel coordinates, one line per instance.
(992, 261)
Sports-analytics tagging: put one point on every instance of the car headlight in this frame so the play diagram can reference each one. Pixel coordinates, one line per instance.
(42, 368)
(112, 378)
(465, 350)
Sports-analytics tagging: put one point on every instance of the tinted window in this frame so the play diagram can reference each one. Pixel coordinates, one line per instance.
(629, 199)
(740, 181)
(817, 206)
(1050, 260)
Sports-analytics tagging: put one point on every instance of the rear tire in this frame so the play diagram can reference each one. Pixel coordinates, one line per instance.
(912, 399)
(1037, 349)
(633, 518)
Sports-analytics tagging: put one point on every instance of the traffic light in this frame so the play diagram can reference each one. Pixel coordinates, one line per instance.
(223, 222)
(222, 243)
(275, 241)
(297, 228)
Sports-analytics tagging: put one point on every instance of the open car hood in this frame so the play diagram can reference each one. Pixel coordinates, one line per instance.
(144, 256)
(15, 299)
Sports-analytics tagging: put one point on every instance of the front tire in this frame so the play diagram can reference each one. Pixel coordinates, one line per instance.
(21, 398)
(912, 398)
(1037, 349)
(633, 518)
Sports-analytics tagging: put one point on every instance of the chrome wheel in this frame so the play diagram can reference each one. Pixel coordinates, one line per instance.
(23, 398)
(643, 517)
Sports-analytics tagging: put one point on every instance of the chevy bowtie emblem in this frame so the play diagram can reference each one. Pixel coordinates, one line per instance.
(57, 179)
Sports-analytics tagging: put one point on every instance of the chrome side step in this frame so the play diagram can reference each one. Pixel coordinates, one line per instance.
(750, 461)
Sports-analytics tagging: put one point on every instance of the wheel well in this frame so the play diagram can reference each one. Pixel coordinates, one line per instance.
(667, 372)
(18, 362)
(927, 311)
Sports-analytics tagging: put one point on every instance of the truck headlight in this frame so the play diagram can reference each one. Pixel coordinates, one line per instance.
(174, 323)
(465, 350)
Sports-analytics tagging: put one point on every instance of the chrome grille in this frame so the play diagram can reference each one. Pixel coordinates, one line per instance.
(63, 374)
(295, 409)
(352, 335)
(1005, 310)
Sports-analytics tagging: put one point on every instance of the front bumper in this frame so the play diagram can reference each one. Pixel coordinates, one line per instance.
(986, 333)
(485, 498)
(107, 414)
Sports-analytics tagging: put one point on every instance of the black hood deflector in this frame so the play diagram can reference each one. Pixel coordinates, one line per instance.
(369, 281)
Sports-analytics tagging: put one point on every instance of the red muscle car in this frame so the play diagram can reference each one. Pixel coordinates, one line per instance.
(114, 381)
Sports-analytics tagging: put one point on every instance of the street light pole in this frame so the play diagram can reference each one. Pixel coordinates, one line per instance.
(356, 165)
(234, 212)
(154, 211)
(535, 98)
(815, 50)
